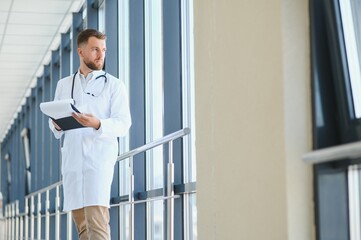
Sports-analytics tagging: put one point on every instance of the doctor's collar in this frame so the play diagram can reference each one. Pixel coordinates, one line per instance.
(91, 75)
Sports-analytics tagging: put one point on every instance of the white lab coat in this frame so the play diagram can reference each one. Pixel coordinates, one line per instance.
(89, 155)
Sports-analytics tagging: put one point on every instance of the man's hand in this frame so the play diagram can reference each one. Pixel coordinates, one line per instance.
(87, 120)
(56, 126)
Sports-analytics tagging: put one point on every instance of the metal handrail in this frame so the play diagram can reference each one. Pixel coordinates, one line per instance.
(344, 151)
(160, 141)
(30, 214)
(148, 146)
(42, 190)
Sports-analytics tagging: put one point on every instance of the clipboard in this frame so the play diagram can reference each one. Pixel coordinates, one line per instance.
(61, 113)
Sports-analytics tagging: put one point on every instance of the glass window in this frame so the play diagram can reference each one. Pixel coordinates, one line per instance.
(352, 35)
(189, 152)
(336, 77)
(101, 17)
(124, 141)
(154, 89)
(188, 88)
(26, 145)
(154, 111)
(8, 168)
(85, 16)
(71, 51)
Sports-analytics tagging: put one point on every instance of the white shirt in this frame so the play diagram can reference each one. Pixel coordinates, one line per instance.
(89, 155)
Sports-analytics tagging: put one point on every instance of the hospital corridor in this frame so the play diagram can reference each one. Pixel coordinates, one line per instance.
(180, 119)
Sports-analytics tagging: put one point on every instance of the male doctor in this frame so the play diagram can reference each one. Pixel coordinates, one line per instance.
(89, 153)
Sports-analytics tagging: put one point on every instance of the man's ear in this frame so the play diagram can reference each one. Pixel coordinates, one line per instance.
(80, 52)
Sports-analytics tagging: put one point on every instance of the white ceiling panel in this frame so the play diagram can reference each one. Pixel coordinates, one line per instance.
(27, 39)
(23, 49)
(35, 18)
(4, 57)
(10, 90)
(10, 101)
(19, 29)
(10, 94)
(50, 7)
(20, 58)
(15, 85)
(18, 72)
(18, 64)
(5, 5)
(14, 67)
(3, 16)
(14, 77)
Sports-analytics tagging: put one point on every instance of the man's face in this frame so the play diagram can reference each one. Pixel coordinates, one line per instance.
(93, 53)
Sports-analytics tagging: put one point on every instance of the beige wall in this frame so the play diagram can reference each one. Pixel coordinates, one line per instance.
(253, 119)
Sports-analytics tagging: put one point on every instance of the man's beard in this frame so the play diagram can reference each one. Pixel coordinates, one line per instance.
(93, 66)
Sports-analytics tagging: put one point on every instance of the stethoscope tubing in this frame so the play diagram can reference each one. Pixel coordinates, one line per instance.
(72, 86)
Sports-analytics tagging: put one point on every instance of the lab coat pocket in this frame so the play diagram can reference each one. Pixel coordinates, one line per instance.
(108, 150)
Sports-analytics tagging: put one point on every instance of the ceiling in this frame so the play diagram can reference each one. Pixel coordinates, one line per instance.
(29, 31)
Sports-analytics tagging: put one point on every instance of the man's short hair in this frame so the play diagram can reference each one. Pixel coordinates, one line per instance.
(87, 33)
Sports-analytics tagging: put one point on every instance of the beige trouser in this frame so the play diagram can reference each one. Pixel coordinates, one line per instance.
(92, 223)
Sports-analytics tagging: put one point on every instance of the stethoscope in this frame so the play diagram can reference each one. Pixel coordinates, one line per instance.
(72, 86)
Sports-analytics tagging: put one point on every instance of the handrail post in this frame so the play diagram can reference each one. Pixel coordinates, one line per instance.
(8, 230)
(16, 215)
(131, 199)
(69, 226)
(12, 221)
(26, 218)
(47, 216)
(38, 215)
(170, 194)
(4, 231)
(6, 222)
(57, 214)
(7, 227)
(9, 222)
(21, 231)
(32, 223)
